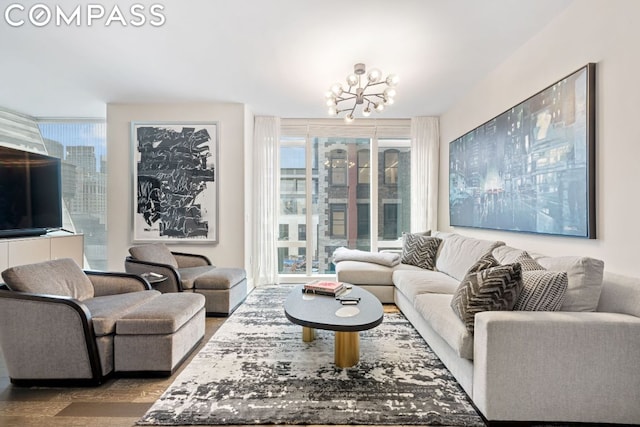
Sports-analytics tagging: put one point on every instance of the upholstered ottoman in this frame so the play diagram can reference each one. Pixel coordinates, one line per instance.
(159, 334)
(224, 289)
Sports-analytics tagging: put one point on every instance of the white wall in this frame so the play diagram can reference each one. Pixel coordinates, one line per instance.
(604, 32)
(232, 118)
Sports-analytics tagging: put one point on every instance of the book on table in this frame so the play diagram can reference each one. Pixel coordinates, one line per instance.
(323, 287)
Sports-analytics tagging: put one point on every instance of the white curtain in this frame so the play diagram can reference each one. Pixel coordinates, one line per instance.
(425, 158)
(266, 199)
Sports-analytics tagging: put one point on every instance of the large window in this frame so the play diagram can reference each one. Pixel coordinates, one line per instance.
(82, 146)
(357, 195)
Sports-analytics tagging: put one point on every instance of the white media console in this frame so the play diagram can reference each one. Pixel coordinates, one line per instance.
(28, 250)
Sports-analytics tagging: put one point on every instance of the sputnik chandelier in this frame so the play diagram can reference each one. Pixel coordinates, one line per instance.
(370, 92)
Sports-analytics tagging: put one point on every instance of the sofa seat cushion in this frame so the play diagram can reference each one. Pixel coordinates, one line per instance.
(188, 275)
(437, 312)
(106, 310)
(220, 278)
(584, 276)
(60, 277)
(458, 253)
(164, 314)
(412, 283)
(366, 273)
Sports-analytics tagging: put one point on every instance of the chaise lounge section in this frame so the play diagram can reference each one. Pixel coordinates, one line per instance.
(62, 326)
(578, 364)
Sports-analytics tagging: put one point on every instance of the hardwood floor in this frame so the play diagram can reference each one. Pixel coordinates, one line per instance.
(119, 402)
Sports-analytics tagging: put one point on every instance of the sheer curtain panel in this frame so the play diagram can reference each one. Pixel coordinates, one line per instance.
(425, 157)
(266, 199)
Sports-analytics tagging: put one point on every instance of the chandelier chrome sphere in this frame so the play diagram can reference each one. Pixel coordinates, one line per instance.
(370, 92)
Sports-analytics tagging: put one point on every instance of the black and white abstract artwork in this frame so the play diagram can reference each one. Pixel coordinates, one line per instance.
(175, 184)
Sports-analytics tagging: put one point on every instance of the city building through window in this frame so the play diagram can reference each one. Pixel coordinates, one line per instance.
(356, 194)
(82, 147)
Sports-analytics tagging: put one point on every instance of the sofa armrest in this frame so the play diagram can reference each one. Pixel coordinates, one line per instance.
(107, 283)
(47, 339)
(172, 284)
(557, 366)
(191, 260)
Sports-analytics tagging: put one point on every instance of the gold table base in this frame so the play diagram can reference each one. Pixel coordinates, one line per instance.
(347, 346)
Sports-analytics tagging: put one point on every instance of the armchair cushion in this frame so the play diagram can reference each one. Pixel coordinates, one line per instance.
(106, 310)
(61, 277)
(154, 252)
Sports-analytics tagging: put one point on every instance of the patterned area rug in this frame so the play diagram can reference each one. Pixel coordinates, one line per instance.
(257, 370)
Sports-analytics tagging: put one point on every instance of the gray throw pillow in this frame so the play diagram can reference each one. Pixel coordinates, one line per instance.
(542, 290)
(527, 263)
(420, 250)
(492, 289)
(487, 261)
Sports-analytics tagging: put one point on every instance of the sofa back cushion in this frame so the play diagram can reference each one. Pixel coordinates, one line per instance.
(458, 253)
(620, 294)
(61, 277)
(154, 252)
(584, 276)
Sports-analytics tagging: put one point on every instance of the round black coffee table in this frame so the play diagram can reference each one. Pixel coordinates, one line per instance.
(325, 312)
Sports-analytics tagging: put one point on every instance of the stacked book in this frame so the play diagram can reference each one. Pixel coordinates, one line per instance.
(324, 288)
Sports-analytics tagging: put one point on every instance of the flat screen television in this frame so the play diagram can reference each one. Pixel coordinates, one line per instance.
(30, 193)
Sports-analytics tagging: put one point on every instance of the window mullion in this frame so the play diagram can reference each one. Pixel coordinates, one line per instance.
(311, 229)
(373, 191)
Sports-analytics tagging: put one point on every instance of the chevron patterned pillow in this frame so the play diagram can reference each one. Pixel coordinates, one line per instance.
(486, 261)
(495, 288)
(420, 250)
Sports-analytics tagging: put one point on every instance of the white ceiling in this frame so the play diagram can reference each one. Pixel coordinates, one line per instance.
(277, 56)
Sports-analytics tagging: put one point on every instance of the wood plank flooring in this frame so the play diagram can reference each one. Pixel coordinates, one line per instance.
(119, 402)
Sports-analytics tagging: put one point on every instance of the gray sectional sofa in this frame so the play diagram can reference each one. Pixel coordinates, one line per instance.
(579, 364)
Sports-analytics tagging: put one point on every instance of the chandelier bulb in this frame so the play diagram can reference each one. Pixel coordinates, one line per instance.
(333, 111)
(331, 102)
(389, 92)
(392, 80)
(379, 106)
(337, 89)
(352, 79)
(374, 75)
(366, 112)
(349, 118)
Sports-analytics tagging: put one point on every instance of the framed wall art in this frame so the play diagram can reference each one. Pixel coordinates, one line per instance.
(175, 182)
(532, 168)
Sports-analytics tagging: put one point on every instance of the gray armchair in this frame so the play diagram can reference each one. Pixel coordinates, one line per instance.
(58, 323)
(223, 288)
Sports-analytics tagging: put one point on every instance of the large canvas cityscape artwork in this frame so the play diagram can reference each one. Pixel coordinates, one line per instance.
(532, 168)
(175, 183)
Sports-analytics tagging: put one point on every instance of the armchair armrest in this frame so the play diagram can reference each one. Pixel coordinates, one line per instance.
(47, 339)
(107, 283)
(557, 366)
(172, 284)
(191, 260)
